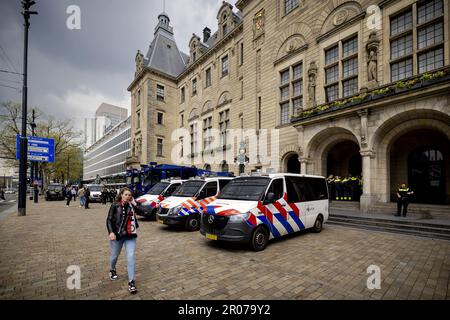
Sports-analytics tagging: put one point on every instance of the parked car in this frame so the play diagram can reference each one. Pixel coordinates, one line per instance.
(150, 201)
(256, 209)
(184, 207)
(55, 191)
(10, 191)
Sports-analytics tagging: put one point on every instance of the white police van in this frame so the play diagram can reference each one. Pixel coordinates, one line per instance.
(186, 204)
(150, 201)
(256, 209)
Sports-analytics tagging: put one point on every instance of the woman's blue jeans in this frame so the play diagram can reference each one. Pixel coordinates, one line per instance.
(130, 247)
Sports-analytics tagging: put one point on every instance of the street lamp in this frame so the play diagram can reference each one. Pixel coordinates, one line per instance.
(26, 4)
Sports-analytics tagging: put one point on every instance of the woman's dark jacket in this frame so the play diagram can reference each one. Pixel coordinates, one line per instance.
(116, 221)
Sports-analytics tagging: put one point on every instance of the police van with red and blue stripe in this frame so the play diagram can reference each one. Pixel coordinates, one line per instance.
(255, 209)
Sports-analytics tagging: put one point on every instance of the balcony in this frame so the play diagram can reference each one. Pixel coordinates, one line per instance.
(393, 89)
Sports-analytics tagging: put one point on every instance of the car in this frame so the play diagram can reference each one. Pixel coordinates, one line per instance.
(149, 202)
(10, 191)
(184, 207)
(257, 209)
(55, 191)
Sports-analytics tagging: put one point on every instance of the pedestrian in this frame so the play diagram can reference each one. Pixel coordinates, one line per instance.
(74, 193)
(104, 196)
(403, 195)
(68, 196)
(87, 194)
(2, 194)
(122, 225)
(331, 187)
(81, 192)
(338, 188)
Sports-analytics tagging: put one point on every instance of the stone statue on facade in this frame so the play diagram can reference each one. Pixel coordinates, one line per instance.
(372, 59)
(312, 74)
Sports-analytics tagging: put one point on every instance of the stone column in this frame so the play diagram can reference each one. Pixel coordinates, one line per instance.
(367, 198)
(303, 165)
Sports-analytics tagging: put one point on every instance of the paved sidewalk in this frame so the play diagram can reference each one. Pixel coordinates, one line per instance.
(172, 264)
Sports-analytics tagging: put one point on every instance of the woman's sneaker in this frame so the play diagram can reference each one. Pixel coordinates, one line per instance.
(132, 287)
(113, 275)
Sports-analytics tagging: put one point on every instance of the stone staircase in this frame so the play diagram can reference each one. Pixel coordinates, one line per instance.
(429, 221)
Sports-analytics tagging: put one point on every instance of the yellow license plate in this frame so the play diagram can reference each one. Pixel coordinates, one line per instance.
(160, 221)
(211, 236)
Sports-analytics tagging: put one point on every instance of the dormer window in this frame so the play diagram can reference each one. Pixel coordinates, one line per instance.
(224, 29)
(194, 56)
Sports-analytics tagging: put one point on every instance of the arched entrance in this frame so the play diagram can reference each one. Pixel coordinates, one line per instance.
(292, 163)
(420, 158)
(344, 159)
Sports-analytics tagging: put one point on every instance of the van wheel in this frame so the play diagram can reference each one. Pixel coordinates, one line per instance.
(192, 223)
(260, 239)
(318, 225)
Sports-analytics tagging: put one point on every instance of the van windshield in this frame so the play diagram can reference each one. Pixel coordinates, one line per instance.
(188, 189)
(55, 187)
(158, 188)
(95, 188)
(251, 189)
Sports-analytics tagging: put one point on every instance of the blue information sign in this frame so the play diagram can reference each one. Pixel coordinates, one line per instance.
(39, 149)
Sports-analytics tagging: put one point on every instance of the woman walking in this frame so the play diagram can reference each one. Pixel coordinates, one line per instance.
(122, 224)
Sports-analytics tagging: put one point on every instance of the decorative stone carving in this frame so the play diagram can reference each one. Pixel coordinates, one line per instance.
(138, 146)
(341, 15)
(372, 49)
(133, 148)
(139, 61)
(312, 75)
(259, 23)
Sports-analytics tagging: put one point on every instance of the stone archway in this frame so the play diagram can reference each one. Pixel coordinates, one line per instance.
(323, 142)
(290, 159)
(403, 131)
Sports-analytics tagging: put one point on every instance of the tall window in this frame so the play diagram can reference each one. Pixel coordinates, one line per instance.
(427, 52)
(224, 125)
(159, 92)
(291, 91)
(182, 147)
(194, 86)
(208, 78)
(207, 128)
(224, 29)
(225, 65)
(183, 95)
(193, 133)
(341, 69)
(139, 97)
(290, 5)
(138, 120)
(241, 51)
(182, 120)
(160, 118)
(159, 147)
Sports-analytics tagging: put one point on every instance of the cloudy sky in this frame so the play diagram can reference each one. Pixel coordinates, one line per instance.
(71, 72)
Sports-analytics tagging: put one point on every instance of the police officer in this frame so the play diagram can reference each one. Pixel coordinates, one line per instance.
(331, 186)
(403, 194)
(346, 188)
(338, 188)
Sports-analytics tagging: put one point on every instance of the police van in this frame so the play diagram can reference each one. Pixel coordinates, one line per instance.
(186, 204)
(150, 201)
(255, 209)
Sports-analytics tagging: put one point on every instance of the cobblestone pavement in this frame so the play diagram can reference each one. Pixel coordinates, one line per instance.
(173, 264)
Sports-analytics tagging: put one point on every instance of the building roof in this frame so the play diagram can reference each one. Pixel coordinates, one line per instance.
(163, 54)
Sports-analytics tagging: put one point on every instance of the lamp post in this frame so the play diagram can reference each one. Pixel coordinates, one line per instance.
(26, 4)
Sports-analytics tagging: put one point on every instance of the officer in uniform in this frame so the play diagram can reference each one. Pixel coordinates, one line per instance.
(331, 186)
(353, 187)
(403, 194)
(346, 188)
(338, 187)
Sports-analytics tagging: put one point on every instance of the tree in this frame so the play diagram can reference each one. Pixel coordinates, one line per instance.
(62, 131)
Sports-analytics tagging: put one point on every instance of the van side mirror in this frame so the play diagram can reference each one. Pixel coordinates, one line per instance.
(270, 198)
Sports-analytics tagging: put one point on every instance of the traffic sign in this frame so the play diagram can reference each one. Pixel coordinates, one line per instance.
(39, 149)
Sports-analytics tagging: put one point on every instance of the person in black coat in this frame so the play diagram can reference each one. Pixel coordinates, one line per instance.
(122, 226)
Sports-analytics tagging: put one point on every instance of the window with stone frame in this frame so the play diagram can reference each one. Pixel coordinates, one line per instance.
(193, 134)
(138, 120)
(159, 92)
(183, 94)
(290, 5)
(194, 86)
(224, 125)
(207, 132)
(341, 69)
(160, 118)
(181, 147)
(159, 147)
(291, 91)
(208, 77)
(225, 66)
(417, 39)
(139, 97)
